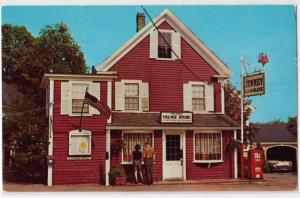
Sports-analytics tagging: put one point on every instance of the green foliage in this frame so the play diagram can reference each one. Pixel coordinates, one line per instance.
(117, 146)
(25, 139)
(233, 103)
(232, 145)
(25, 60)
(291, 125)
(116, 171)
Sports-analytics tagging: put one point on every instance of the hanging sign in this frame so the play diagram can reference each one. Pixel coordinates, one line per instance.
(254, 84)
(176, 117)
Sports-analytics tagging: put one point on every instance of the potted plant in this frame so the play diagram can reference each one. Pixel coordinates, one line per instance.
(232, 145)
(117, 175)
(116, 147)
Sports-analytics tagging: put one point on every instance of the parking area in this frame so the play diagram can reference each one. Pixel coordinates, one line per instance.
(271, 182)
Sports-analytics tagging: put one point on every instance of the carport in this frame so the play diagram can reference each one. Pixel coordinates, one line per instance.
(278, 143)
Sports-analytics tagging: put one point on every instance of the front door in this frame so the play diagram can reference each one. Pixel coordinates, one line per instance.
(173, 156)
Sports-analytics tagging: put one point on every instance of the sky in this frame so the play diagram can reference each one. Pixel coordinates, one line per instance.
(229, 31)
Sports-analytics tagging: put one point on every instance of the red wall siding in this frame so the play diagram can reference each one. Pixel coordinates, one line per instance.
(165, 78)
(196, 171)
(78, 171)
(116, 159)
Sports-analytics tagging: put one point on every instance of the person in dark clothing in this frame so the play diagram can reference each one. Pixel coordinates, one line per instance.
(148, 155)
(137, 157)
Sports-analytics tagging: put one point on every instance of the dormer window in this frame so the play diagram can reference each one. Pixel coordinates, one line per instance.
(164, 45)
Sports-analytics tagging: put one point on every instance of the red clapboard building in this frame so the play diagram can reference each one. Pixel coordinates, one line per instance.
(165, 87)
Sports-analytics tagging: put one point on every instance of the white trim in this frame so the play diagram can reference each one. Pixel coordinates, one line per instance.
(139, 82)
(208, 161)
(90, 84)
(205, 84)
(50, 121)
(184, 154)
(107, 161)
(186, 34)
(71, 97)
(235, 157)
(170, 32)
(109, 97)
(183, 142)
(136, 131)
(222, 98)
(80, 133)
(102, 76)
(281, 143)
(168, 128)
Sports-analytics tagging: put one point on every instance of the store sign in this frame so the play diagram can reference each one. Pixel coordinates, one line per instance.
(176, 117)
(254, 84)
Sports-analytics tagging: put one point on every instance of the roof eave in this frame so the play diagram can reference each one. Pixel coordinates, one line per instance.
(101, 76)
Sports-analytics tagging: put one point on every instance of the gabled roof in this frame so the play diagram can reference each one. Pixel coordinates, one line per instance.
(186, 34)
(273, 132)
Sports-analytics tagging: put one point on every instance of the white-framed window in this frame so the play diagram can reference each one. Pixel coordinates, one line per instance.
(72, 96)
(164, 44)
(132, 96)
(198, 97)
(208, 147)
(80, 143)
(132, 138)
(77, 94)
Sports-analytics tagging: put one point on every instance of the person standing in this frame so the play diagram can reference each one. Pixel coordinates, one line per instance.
(148, 155)
(137, 158)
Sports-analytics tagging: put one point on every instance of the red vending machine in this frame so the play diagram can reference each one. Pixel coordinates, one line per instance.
(255, 163)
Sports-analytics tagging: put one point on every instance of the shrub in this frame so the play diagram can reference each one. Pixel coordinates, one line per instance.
(116, 171)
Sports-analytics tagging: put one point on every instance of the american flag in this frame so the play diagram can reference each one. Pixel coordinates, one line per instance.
(100, 106)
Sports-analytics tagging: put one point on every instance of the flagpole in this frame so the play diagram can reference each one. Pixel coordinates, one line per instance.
(82, 110)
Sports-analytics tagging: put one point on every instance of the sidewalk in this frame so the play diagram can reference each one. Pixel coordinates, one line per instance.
(274, 182)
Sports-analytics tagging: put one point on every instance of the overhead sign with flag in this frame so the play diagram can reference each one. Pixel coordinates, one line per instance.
(100, 106)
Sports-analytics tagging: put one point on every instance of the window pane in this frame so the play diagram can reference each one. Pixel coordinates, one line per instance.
(131, 90)
(198, 104)
(173, 147)
(198, 91)
(77, 105)
(78, 90)
(130, 140)
(164, 45)
(207, 146)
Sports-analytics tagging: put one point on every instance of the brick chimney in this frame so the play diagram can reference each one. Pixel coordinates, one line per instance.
(140, 21)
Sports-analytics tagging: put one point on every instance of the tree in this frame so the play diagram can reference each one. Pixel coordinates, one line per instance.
(233, 103)
(291, 125)
(25, 60)
(25, 141)
(17, 51)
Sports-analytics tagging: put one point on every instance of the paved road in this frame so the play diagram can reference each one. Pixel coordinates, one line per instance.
(272, 182)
